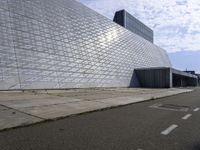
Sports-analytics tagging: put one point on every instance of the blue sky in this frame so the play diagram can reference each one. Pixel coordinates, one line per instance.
(176, 23)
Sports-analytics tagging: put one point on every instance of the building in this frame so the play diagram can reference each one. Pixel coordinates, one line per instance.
(198, 75)
(194, 73)
(165, 77)
(48, 44)
(129, 22)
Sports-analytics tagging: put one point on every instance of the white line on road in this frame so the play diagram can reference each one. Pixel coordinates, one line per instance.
(186, 116)
(169, 129)
(196, 109)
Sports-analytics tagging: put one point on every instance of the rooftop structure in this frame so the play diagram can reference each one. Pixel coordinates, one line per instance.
(129, 22)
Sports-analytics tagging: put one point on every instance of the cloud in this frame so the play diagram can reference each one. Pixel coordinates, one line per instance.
(176, 23)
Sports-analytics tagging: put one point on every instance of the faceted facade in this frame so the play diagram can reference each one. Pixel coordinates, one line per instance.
(48, 44)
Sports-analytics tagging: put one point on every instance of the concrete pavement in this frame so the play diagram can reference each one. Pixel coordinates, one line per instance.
(25, 108)
(134, 127)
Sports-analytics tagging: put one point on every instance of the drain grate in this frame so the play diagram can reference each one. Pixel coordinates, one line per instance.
(170, 107)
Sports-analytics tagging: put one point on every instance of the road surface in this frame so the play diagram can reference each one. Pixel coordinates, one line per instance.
(171, 123)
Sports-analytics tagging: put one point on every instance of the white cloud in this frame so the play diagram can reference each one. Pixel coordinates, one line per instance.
(176, 23)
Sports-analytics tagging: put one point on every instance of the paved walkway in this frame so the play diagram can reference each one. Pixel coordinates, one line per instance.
(24, 108)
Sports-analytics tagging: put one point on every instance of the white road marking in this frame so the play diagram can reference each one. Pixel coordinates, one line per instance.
(169, 129)
(186, 116)
(196, 109)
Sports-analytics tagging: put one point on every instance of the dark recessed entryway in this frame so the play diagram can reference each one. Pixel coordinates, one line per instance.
(165, 78)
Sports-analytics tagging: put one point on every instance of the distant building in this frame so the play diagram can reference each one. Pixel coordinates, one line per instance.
(194, 73)
(198, 75)
(191, 72)
(126, 20)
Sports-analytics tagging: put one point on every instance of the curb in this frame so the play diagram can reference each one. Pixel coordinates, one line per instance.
(90, 111)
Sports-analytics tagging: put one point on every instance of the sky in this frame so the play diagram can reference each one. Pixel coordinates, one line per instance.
(176, 23)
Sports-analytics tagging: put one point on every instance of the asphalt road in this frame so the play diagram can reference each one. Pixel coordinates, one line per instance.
(133, 127)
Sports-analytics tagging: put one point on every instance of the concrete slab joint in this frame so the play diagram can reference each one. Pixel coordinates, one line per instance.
(24, 108)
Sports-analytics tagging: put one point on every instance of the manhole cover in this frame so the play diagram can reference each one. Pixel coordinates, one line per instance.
(170, 107)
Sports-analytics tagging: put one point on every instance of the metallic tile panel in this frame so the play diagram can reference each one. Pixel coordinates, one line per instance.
(63, 44)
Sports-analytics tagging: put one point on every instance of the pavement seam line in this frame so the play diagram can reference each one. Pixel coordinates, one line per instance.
(186, 116)
(22, 112)
(98, 109)
(169, 129)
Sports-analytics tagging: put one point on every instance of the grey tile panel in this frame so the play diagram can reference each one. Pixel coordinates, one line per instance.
(64, 44)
